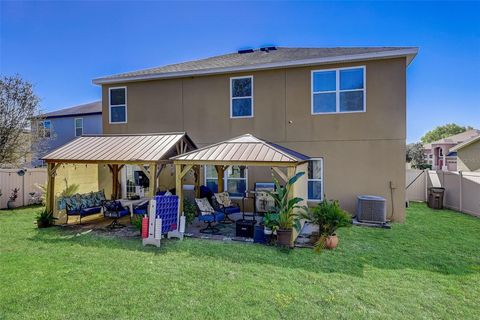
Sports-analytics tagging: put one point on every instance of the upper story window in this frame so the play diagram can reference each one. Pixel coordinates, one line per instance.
(78, 127)
(338, 90)
(117, 99)
(45, 128)
(315, 179)
(241, 97)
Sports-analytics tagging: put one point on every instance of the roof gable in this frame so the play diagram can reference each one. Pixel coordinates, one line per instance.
(245, 148)
(119, 148)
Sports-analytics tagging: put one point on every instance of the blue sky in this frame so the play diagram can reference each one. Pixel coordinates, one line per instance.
(62, 46)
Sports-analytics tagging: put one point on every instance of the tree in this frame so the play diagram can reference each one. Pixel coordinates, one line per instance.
(18, 106)
(415, 155)
(444, 131)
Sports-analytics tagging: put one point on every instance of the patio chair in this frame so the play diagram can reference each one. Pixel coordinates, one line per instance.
(206, 192)
(222, 202)
(208, 215)
(114, 210)
(141, 209)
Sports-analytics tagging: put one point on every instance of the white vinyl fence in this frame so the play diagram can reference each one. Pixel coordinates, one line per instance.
(11, 179)
(462, 189)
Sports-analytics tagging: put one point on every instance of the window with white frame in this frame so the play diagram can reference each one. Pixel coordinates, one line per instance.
(315, 179)
(211, 180)
(235, 179)
(117, 99)
(78, 127)
(241, 97)
(338, 90)
(45, 128)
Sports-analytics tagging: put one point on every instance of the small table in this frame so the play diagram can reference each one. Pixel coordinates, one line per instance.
(130, 203)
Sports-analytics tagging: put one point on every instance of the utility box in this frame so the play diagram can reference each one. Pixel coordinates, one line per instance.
(435, 197)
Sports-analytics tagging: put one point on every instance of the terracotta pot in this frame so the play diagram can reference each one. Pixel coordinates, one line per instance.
(284, 237)
(331, 242)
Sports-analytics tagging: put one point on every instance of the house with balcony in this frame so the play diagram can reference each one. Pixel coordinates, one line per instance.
(345, 108)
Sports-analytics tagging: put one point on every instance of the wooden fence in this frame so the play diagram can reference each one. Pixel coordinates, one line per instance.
(462, 189)
(26, 183)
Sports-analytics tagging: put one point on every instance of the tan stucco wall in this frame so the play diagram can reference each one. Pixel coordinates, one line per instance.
(363, 152)
(468, 158)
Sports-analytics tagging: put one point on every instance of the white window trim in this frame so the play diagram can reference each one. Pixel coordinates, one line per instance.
(116, 105)
(225, 179)
(231, 98)
(75, 126)
(321, 182)
(337, 90)
(49, 129)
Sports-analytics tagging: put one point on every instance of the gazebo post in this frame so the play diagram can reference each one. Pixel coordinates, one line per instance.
(50, 197)
(197, 181)
(178, 186)
(180, 172)
(220, 174)
(152, 179)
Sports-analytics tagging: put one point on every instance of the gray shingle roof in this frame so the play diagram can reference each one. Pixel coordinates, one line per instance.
(273, 58)
(87, 108)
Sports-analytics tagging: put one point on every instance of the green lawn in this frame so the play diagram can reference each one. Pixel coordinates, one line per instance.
(428, 267)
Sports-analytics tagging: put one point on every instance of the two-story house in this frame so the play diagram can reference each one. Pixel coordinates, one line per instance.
(61, 126)
(442, 154)
(343, 107)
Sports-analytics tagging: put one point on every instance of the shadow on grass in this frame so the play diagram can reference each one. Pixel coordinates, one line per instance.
(441, 242)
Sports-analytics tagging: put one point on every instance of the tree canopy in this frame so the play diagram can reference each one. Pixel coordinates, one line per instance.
(444, 131)
(18, 106)
(415, 155)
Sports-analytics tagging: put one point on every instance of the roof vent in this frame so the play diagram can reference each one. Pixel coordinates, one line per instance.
(266, 49)
(242, 51)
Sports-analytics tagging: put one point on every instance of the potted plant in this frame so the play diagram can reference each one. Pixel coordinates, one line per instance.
(285, 209)
(329, 216)
(45, 219)
(12, 198)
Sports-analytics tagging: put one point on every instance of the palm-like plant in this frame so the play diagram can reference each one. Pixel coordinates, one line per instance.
(329, 216)
(285, 207)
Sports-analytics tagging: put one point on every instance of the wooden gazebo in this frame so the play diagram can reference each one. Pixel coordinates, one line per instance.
(116, 150)
(245, 150)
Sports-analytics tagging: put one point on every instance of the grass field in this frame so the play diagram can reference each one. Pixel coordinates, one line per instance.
(428, 267)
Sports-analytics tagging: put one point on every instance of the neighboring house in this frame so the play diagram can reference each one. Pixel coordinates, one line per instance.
(64, 125)
(344, 107)
(441, 154)
(468, 154)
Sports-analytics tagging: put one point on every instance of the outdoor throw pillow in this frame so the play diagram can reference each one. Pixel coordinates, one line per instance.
(223, 198)
(204, 206)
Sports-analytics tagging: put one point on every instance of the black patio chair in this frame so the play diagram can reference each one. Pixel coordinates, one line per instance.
(113, 209)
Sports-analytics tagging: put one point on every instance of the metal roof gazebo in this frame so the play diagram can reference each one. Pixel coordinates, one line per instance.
(117, 150)
(245, 150)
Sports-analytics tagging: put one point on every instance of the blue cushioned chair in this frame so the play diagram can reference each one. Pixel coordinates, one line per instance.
(208, 215)
(114, 210)
(218, 203)
(141, 208)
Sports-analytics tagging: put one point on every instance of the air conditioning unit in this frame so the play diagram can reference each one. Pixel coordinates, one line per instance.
(371, 209)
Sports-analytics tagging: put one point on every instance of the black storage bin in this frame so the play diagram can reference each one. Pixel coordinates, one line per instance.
(244, 228)
(435, 197)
